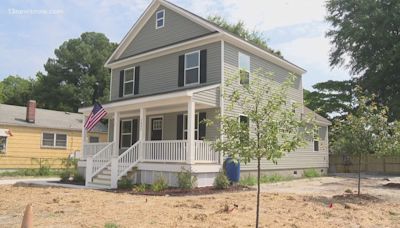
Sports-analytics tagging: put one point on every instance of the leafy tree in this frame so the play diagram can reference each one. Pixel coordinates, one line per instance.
(366, 131)
(272, 128)
(331, 99)
(76, 76)
(240, 29)
(15, 90)
(366, 38)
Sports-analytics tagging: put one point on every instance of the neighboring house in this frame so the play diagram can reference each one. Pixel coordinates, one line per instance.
(167, 75)
(31, 136)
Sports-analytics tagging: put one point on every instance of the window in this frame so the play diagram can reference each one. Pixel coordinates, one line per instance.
(129, 80)
(316, 140)
(94, 139)
(126, 133)
(3, 144)
(244, 68)
(157, 124)
(160, 19)
(196, 126)
(244, 122)
(192, 68)
(57, 140)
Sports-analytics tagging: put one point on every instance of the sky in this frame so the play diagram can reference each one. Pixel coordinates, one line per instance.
(31, 30)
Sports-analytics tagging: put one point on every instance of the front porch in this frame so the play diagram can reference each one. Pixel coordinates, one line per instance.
(154, 137)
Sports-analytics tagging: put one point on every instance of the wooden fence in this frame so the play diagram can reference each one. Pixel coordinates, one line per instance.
(369, 164)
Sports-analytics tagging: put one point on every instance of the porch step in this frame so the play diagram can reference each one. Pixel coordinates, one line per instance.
(97, 186)
(106, 172)
(104, 176)
(101, 181)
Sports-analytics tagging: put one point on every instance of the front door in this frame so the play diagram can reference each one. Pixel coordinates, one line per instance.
(156, 128)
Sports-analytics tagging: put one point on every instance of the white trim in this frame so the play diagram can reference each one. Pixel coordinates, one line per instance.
(313, 145)
(151, 126)
(54, 140)
(165, 51)
(191, 68)
(130, 81)
(121, 133)
(159, 19)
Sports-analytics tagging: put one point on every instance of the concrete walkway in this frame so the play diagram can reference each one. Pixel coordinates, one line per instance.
(42, 182)
(15, 180)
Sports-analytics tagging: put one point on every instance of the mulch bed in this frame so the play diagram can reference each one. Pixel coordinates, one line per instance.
(183, 192)
(392, 185)
(68, 182)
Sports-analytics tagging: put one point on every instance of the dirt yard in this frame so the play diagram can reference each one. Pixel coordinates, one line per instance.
(61, 207)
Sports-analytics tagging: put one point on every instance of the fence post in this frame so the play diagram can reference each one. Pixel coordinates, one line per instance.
(89, 168)
(114, 172)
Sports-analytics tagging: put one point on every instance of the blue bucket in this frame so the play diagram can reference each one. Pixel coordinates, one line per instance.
(232, 170)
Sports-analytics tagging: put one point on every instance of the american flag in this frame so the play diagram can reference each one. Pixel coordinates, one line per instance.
(95, 116)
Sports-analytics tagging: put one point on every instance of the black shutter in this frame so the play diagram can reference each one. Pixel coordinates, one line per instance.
(179, 127)
(137, 72)
(120, 131)
(121, 83)
(134, 131)
(203, 66)
(202, 125)
(181, 71)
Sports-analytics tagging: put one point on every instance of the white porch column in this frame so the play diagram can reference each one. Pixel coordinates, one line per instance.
(114, 158)
(116, 134)
(190, 132)
(142, 132)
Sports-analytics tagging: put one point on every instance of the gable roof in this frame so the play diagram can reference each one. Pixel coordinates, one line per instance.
(225, 35)
(318, 118)
(16, 115)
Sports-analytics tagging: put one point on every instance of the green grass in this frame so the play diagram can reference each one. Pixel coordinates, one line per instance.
(309, 173)
(44, 172)
(252, 180)
(110, 225)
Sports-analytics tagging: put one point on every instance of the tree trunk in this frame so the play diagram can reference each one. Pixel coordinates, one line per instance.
(359, 173)
(258, 190)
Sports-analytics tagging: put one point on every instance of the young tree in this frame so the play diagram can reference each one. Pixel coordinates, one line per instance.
(15, 90)
(272, 128)
(364, 132)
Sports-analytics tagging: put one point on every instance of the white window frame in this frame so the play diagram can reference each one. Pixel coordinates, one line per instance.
(5, 147)
(151, 127)
(314, 140)
(54, 140)
(246, 70)
(130, 81)
(191, 68)
(122, 133)
(196, 131)
(160, 19)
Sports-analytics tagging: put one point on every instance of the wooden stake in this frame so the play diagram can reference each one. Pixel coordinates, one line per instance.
(28, 217)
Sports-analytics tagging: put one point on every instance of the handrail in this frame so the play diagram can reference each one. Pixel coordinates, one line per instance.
(90, 149)
(102, 159)
(128, 159)
(204, 153)
(164, 151)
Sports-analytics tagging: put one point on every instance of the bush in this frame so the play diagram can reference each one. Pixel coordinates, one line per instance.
(141, 188)
(272, 179)
(309, 173)
(66, 174)
(248, 181)
(159, 184)
(125, 183)
(44, 171)
(79, 178)
(221, 181)
(186, 180)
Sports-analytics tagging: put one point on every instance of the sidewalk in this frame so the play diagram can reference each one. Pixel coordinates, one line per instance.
(13, 181)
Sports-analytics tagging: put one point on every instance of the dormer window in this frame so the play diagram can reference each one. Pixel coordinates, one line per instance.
(160, 19)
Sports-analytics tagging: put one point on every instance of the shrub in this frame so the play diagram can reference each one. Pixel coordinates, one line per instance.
(272, 179)
(79, 178)
(309, 173)
(248, 181)
(125, 183)
(44, 171)
(66, 174)
(159, 184)
(186, 180)
(141, 188)
(221, 181)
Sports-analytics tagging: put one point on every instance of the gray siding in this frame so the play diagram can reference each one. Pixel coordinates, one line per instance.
(302, 158)
(160, 74)
(170, 124)
(210, 96)
(176, 28)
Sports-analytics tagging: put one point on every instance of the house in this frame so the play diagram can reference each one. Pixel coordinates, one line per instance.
(30, 136)
(168, 74)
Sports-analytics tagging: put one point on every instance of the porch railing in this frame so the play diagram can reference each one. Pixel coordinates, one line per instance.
(101, 160)
(90, 149)
(128, 159)
(204, 153)
(165, 151)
